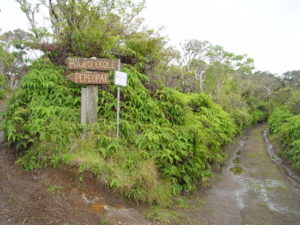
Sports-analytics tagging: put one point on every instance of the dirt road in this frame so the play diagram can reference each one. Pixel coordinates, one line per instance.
(252, 189)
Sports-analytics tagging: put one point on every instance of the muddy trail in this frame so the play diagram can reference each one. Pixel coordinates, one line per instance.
(254, 188)
(59, 197)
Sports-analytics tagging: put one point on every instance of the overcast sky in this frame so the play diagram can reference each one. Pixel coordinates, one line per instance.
(266, 30)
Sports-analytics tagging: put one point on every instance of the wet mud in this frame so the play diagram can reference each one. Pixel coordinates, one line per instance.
(254, 188)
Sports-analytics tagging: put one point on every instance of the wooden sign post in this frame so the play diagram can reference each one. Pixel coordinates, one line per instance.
(89, 95)
(89, 102)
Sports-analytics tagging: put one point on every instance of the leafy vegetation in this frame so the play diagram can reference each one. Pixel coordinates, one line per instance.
(284, 121)
(285, 127)
(178, 111)
(169, 141)
(3, 86)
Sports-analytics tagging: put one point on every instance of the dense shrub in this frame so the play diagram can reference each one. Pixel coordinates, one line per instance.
(258, 116)
(293, 103)
(3, 86)
(239, 110)
(169, 141)
(285, 126)
(42, 110)
(291, 140)
(277, 118)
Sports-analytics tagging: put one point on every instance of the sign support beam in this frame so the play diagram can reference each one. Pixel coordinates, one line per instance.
(83, 106)
(89, 102)
(119, 80)
(118, 112)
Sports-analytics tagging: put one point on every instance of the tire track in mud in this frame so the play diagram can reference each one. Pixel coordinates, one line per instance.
(251, 189)
(276, 159)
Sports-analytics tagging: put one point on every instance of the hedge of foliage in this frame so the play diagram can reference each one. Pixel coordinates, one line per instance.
(3, 86)
(169, 141)
(285, 126)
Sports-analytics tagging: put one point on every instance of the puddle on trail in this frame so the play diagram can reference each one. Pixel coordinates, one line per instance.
(234, 165)
(268, 192)
(236, 170)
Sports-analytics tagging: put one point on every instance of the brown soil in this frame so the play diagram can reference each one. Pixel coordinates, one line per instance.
(25, 199)
(59, 196)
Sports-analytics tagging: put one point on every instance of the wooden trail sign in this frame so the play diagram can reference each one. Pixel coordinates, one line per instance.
(89, 78)
(92, 64)
(89, 95)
